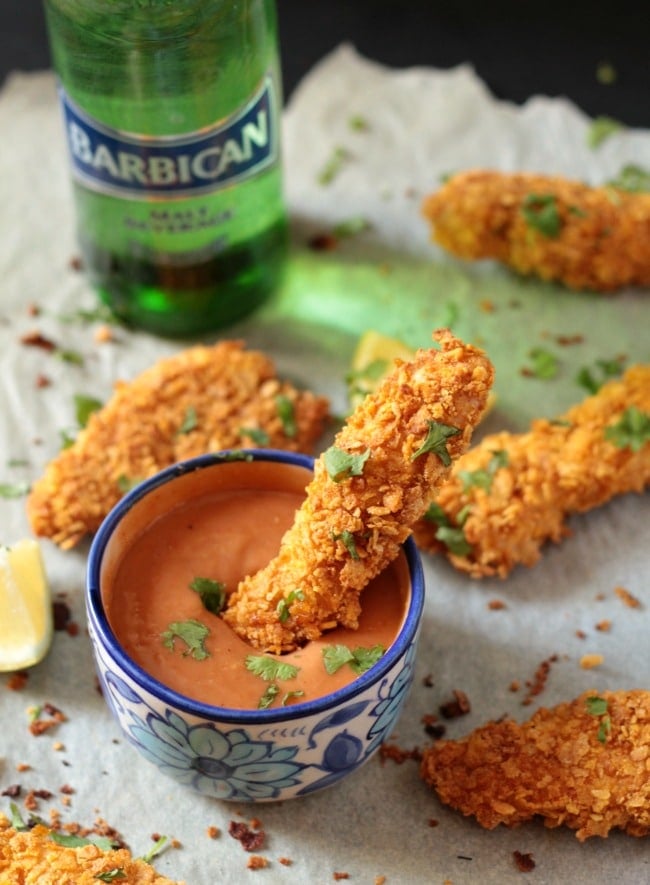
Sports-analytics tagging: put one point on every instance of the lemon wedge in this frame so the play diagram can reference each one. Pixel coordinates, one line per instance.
(25, 606)
(373, 359)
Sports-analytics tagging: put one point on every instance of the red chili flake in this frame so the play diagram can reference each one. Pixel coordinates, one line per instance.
(18, 680)
(251, 840)
(338, 876)
(323, 242)
(35, 339)
(61, 614)
(42, 381)
(398, 754)
(12, 791)
(538, 683)
(458, 706)
(524, 861)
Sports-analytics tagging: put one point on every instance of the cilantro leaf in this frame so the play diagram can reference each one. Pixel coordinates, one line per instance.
(435, 441)
(600, 130)
(333, 166)
(111, 875)
(596, 706)
(593, 379)
(157, 848)
(341, 465)
(482, 478)
(271, 693)
(632, 178)
(126, 483)
(290, 695)
(189, 422)
(541, 213)
(17, 821)
(193, 633)
(453, 537)
(545, 364)
(351, 226)
(259, 436)
(283, 607)
(14, 489)
(360, 659)
(71, 841)
(270, 669)
(631, 431)
(286, 414)
(335, 657)
(84, 407)
(212, 593)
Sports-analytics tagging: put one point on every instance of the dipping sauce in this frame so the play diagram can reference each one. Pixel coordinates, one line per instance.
(225, 524)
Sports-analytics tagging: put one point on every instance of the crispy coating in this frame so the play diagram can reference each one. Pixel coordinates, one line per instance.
(556, 469)
(602, 242)
(31, 857)
(202, 399)
(374, 511)
(573, 768)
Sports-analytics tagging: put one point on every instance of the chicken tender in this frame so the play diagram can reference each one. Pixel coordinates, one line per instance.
(594, 238)
(31, 857)
(583, 764)
(200, 400)
(367, 491)
(512, 493)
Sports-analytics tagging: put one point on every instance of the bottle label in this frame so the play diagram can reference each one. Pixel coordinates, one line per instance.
(143, 166)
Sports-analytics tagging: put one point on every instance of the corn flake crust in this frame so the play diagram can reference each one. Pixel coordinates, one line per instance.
(572, 768)
(559, 467)
(31, 857)
(593, 238)
(232, 398)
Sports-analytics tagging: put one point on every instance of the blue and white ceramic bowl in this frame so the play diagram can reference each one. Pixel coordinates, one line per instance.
(247, 755)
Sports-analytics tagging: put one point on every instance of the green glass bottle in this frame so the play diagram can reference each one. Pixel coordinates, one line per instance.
(172, 118)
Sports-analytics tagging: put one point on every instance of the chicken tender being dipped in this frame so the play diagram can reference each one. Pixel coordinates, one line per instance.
(368, 490)
(512, 493)
(594, 238)
(202, 399)
(582, 764)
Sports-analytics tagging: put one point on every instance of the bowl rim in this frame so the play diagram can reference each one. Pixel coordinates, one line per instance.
(110, 643)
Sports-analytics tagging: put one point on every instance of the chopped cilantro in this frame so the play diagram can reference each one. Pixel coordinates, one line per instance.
(193, 633)
(269, 668)
(452, 536)
(17, 821)
(358, 123)
(631, 431)
(435, 441)
(351, 226)
(84, 407)
(632, 178)
(482, 478)
(212, 593)
(284, 606)
(347, 539)
(69, 840)
(600, 130)
(291, 695)
(286, 414)
(101, 314)
(67, 438)
(341, 465)
(111, 875)
(541, 213)
(545, 364)
(235, 455)
(605, 369)
(270, 694)
(259, 436)
(126, 483)
(333, 166)
(606, 73)
(360, 659)
(597, 706)
(189, 422)
(14, 489)
(69, 356)
(158, 846)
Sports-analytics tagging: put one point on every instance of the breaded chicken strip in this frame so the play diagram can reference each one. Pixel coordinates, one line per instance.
(595, 238)
(33, 858)
(512, 493)
(200, 400)
(367, 491)
(583, 764)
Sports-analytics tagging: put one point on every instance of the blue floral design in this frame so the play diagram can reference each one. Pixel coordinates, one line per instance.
(388, 708)
(225, 765)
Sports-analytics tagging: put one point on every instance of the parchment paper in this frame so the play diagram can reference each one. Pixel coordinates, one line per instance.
(418, 125)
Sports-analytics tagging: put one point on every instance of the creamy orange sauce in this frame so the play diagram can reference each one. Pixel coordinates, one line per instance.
(225, 534)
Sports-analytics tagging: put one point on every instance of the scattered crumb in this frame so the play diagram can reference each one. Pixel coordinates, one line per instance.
(433, 822)
(515, 685)
(458, 706)
(285, 861)
(380, 880)
(58, 747)
(427, 681)
(604, 626)
(581, 634)
(17, 681)
(257, 862)
(496, 605)
(40, 726)
(103, 334)
(397, 754)
(524, 861)
(213, 832)
(588, 662)
(250, 839)
(625, 595)
(538, 683)
(338, 876)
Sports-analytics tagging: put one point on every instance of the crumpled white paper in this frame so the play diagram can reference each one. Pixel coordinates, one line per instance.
(419, 124)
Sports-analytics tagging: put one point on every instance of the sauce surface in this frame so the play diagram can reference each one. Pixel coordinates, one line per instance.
(225, 535)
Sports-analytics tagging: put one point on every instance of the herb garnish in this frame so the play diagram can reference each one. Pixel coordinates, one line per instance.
(270, 694)
(333, 166)
(158, 846)
(545, 364)
(605, 368)
(16, 818)
(632, 178)
(126, 483)
(193, 633)
(14, 489)
(435, 441)
(69, 356)
(259, 436)
(189, 422)
(358, 123)
(452, 536)
(341, 465)
(212, 593)
(269, 668)
(351, 226)
(482, 478)
(356, 379)
(286, 414)
(284, 606)
(541, 213)
(359, 659)
(84, 407)
(631, 431)
(111, 875)
(347, 539)
(69, 840)
(598, 707)
(600, 130)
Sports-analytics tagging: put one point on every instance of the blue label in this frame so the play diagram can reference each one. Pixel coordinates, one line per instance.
(139, 167)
